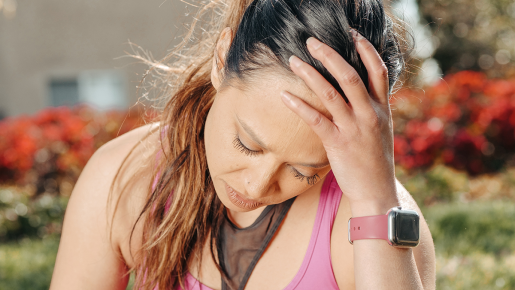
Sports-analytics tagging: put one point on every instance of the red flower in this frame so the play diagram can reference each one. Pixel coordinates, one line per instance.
(469, 109)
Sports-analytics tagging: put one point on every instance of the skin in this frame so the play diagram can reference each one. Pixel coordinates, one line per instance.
(295, 121)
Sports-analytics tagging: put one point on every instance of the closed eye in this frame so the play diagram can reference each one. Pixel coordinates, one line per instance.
(310, 179)
(242, 148)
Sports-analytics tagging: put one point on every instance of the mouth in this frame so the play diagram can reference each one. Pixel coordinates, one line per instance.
(238, 200)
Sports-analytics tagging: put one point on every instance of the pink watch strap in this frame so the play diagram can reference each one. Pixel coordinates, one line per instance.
(368, 227)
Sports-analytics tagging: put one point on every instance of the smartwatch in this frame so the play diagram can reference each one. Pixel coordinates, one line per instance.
(399, 227)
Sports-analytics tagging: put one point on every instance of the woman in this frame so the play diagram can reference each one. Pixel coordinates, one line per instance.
(279, 133)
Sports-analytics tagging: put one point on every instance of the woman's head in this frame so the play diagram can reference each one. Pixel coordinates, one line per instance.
(222, 100)
(250, 68)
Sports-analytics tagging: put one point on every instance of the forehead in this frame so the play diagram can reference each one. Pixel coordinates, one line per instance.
(259, 105)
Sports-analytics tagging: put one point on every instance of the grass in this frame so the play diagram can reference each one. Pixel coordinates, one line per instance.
(27, 264)
(467, 228)
(474, 243)
(475, 271)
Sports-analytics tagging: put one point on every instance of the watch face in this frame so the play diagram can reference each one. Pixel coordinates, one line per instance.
(407, 227)
(405, 231)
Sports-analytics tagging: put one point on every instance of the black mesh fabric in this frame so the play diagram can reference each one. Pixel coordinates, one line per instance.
(239, 249)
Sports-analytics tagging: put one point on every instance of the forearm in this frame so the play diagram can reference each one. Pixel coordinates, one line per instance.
(378, 265)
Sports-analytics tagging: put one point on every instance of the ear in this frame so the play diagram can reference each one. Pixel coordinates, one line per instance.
(221, 49)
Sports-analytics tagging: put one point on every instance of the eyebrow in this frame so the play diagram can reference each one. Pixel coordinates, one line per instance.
(252, 134)
(256, 139)
(316, 165)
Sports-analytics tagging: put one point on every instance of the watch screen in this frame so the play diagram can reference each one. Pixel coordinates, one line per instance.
(407, 227)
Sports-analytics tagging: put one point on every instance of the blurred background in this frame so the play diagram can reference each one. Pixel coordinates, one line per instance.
(67, 87)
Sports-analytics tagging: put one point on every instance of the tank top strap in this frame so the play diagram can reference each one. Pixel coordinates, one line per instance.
(331, 196)
(317, 270)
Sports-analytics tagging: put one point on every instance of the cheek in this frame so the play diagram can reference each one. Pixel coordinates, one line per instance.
(291, 187)
(211, 141)
(221, 155)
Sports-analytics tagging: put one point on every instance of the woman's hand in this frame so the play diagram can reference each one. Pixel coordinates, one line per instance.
(358, 138)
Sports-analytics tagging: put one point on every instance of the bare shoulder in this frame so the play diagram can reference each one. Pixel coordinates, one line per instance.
(88, 257)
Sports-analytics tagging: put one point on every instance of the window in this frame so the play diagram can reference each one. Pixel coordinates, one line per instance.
(64, 92)
(103, 90)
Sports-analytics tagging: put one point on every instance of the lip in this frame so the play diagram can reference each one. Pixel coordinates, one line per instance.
(238, 200)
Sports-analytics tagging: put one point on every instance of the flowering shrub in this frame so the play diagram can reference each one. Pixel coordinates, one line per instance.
(50, 149)
(465, 121)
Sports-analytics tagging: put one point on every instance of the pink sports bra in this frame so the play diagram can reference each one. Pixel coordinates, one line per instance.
(316, 271)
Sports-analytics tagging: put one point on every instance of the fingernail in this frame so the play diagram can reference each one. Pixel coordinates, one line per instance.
(356, 34)
(287, 97)
(313, 42)
(295, 61)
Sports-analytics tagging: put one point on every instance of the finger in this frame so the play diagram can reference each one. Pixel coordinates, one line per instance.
(329, 96)
(323, 127)
(346, 76)
(376, 68)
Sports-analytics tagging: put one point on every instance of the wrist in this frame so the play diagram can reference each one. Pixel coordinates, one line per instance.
(373, 207)
(400, 227)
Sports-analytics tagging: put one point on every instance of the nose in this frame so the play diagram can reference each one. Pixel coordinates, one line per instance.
(259, 178)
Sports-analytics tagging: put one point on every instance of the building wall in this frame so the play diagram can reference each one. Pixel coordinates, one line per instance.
(58, 39)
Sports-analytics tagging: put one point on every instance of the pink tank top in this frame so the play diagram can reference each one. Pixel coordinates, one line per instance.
(316, 271)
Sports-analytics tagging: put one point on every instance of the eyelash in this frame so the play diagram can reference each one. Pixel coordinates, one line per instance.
(243, 149)
(310, 179)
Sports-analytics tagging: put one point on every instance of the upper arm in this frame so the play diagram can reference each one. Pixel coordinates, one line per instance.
(424, 253)
(87, 258)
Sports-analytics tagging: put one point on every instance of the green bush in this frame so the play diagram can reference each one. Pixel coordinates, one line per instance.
(22, 216)
(438, 184)
(442, 184)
